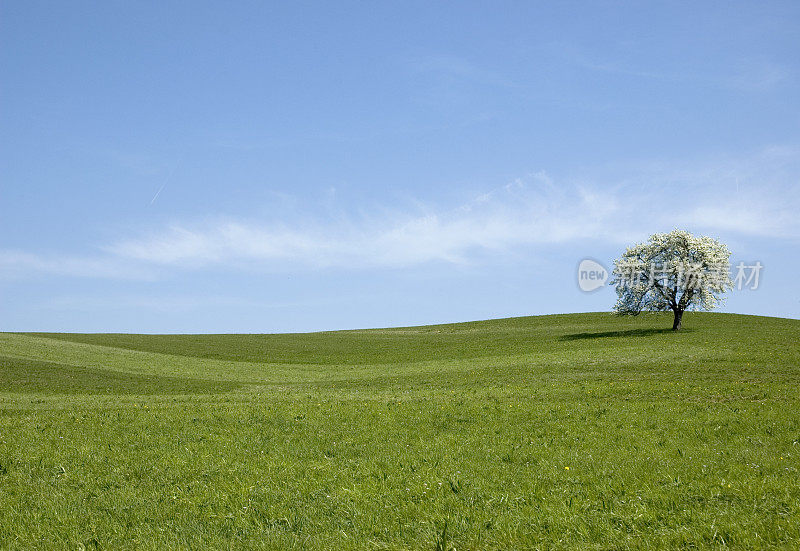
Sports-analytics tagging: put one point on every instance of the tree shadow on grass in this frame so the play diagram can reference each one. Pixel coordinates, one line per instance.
(627, 333)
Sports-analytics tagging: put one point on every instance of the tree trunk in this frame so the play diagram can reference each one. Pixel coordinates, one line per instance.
(676, 324)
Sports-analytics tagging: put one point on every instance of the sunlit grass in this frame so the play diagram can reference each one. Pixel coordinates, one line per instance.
(577, 431)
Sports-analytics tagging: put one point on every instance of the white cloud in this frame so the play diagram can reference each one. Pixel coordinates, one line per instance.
(744, 217)
(748, 74)
(453, 69)
(753, 196)
(16, 264)
(536, 212)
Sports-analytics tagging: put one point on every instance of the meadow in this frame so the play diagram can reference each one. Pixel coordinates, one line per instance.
(578, 431)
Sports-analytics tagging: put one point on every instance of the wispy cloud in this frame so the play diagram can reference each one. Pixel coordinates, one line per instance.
(748, 74)
(747, 197)
(754, 196)
(16, 264)
(457, 69)
(525, 212)
(757, 74)
(168, 303)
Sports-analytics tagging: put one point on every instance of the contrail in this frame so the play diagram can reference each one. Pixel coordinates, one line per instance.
(166, 181)
(153, 200)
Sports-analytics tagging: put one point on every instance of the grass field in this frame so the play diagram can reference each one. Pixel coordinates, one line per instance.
(573, 431)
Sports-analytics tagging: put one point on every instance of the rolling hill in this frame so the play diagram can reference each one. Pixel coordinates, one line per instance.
(569, 431)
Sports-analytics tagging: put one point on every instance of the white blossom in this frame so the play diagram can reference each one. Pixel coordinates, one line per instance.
(674, 271)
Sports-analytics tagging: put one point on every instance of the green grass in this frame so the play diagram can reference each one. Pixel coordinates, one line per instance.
(582, 431)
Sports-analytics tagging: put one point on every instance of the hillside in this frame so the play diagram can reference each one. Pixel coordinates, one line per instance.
(579, 430)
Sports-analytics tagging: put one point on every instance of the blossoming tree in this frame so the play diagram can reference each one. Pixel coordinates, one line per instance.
(674, 271)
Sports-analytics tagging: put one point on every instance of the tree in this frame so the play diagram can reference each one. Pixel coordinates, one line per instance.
(674, 271)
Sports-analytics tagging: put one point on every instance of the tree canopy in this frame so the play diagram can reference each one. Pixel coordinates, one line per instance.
(674, 271)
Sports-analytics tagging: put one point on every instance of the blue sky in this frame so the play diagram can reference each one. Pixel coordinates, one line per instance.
(260, 167)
